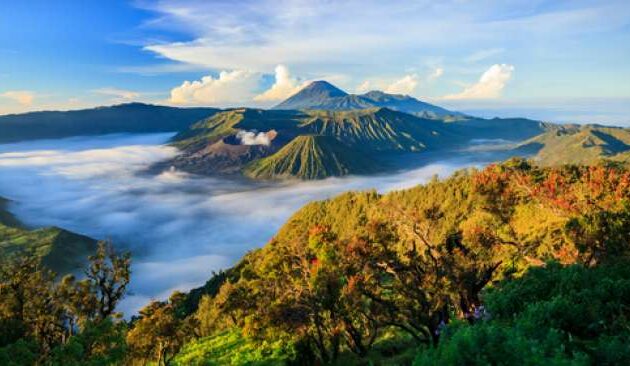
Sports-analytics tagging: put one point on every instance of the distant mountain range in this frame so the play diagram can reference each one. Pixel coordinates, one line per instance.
(130, 118)
(325, 96)
(320, 131)
(315, 143)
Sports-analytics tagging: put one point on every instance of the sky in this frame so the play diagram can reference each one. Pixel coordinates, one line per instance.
(567, 61)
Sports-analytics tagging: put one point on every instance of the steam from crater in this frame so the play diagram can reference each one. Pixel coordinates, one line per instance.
(253, 138)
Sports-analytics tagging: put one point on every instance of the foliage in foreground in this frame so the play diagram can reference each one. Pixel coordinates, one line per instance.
(555, 315)
(231, 348)
(445, 273)
(345, 271)
(62, 322)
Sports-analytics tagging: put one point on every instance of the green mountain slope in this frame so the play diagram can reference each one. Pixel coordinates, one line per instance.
(123, 118)
(310, 157)
(60, 250)
(446, 247)
(365, 125)
(379, 129)
(213, 145)
(574, 144)
(225, 123)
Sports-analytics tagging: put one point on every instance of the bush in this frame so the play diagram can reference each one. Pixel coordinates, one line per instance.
(553, 315)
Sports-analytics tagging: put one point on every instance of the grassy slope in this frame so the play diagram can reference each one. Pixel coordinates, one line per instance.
(310, 157)
(580, 145)
(231, 348)
(61, 250)
(378, 129)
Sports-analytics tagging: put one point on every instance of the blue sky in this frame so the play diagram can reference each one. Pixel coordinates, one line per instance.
(558, 60)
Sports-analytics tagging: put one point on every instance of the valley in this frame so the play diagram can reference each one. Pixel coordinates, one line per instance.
(184, 225)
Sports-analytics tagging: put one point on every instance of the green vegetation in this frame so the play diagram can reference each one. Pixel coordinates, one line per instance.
(212, 145)
(60, 250)
(62, 322)
(553, 315)
(344, 274)
(580, 145)
(231, 348)
(310, 157)
(513, 264)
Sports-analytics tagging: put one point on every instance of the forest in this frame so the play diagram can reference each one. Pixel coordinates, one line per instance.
(510, 264)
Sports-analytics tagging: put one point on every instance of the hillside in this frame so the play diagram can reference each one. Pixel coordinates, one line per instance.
(511, 264)
(123, 118)
(214, 145)
(60, 250)
(493, 255)
(325, 96)
(380, 129)
(310, 157)
(575, 144)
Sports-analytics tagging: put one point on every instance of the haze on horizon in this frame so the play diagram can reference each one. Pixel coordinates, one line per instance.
(564, 61)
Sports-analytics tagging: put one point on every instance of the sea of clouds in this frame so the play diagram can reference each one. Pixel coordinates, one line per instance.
(179, 227)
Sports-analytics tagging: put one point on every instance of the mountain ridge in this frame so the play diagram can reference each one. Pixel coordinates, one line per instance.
(120, 118)
(323, 95)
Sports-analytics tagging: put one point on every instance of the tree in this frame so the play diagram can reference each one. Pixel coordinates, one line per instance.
(62, 315)
(160, 332)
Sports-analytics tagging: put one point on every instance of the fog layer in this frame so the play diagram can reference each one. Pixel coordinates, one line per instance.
(179, 227)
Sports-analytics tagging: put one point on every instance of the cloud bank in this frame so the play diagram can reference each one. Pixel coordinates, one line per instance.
(118, 94)
(230, 87)
(23, 97)
(489, 86)
(284, 86)
(406, 85)
(179, 227)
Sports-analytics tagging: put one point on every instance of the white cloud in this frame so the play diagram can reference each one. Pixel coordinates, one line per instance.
(284, 86)
(364, 87)
(489, 86)
(436, 74)
(119, 94)
(231, 87)
(406, 85)
(483, 54)
(359, 37)
(23, 97)
(253, 138)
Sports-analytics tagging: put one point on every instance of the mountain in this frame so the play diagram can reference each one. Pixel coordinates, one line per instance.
(310, 157)
(280, 150)
(61, 250)
(214, 145)
(574, 144)
(123, 118)
(313, 96)
(323, 95)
